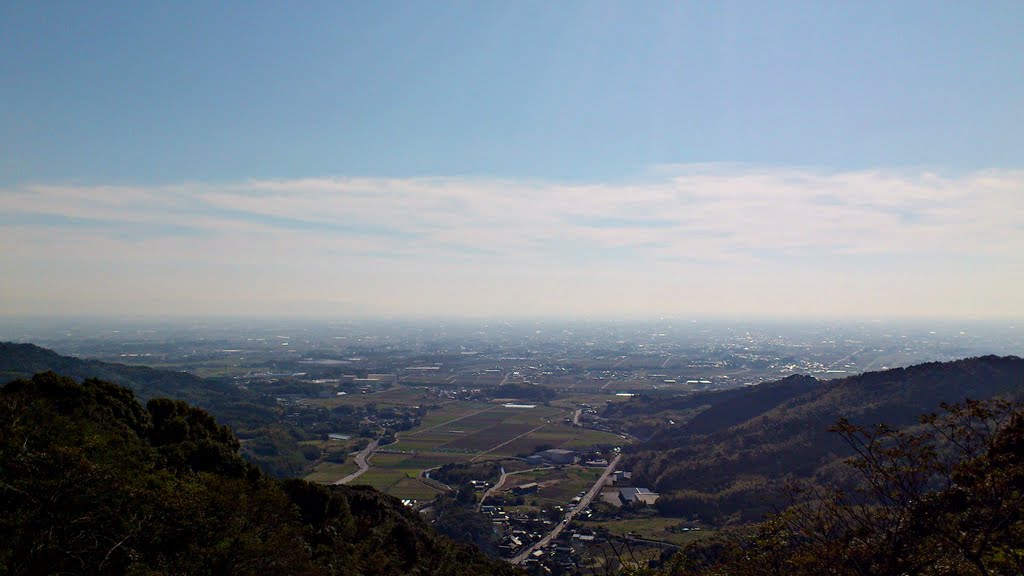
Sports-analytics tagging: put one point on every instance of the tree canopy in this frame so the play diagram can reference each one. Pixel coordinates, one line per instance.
(92, 482)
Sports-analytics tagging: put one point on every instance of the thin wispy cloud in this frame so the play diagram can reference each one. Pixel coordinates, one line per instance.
(460, 236)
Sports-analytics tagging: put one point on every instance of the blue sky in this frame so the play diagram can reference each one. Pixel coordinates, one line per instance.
(566, 146)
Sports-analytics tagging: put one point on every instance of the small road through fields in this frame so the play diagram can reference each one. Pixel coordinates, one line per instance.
(501, 482)
(360, 462)
(584, 502)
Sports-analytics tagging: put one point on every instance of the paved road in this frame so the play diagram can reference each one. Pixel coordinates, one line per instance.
(845, 358)
(492, 489)
(576, 417)
(594, 491)
(361, 462)
(501, 481)
(426, 479)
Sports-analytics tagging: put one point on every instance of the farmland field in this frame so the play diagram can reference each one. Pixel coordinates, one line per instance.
(557, 485)
(409, 443)
(662, 529)
(452, 411)
(490, 437)
(559, 436)
(412, 488)
(388, 460)
(329, 471)
(461, 431)
(428, 460)
(570, 482)
(381, 478)
(394, 396)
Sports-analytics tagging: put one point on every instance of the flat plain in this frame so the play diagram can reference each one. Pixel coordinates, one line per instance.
(462, 431)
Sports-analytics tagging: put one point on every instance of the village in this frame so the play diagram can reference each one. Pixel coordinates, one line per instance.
(548, 537)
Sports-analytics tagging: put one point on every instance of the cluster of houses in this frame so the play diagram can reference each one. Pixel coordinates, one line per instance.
(562, 555)
(519, 531)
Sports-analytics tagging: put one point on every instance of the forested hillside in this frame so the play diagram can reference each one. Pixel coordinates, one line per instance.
(92, 482)
(946, 499)
(723, 471)
(250, 415)
(705, 412)
(231, 405)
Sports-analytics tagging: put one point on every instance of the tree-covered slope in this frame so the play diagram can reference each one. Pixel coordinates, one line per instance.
(702, 412)
(252, 416)
(92, 482)
(731, 472)
(945, 499)
(238, 408)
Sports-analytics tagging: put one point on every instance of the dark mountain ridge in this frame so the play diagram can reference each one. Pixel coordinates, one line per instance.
(717, 471)
(704, 412)
(250, 415)
(229, 403)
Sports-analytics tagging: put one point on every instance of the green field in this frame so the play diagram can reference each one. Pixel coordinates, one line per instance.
(388, 460)
(557, 485)
(572, 481)
(463, 431)
(490, 437)
(408, 443)
(327, 472)
(662, 529)
(427, 460)
(451, 411)
(545, 474)
(412, 488)
(572, 400)
(473, 428)
(394, 396)
(381, 478)
(559, 436)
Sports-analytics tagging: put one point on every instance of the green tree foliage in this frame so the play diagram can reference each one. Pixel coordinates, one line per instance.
(458, 473)
(93, 483)
(458, 519)
(724, 471)
(240, 409)
(276, 451)
(256, 417)
(944, 499)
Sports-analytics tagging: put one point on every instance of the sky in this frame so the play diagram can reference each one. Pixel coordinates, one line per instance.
(580, 159)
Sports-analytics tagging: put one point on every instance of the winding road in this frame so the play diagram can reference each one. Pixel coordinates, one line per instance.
(360, 462)
(501, 482)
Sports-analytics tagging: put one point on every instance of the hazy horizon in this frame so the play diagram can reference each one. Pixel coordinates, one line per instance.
(583, 160)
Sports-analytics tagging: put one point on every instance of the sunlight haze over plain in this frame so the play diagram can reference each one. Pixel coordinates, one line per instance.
(604, 159)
